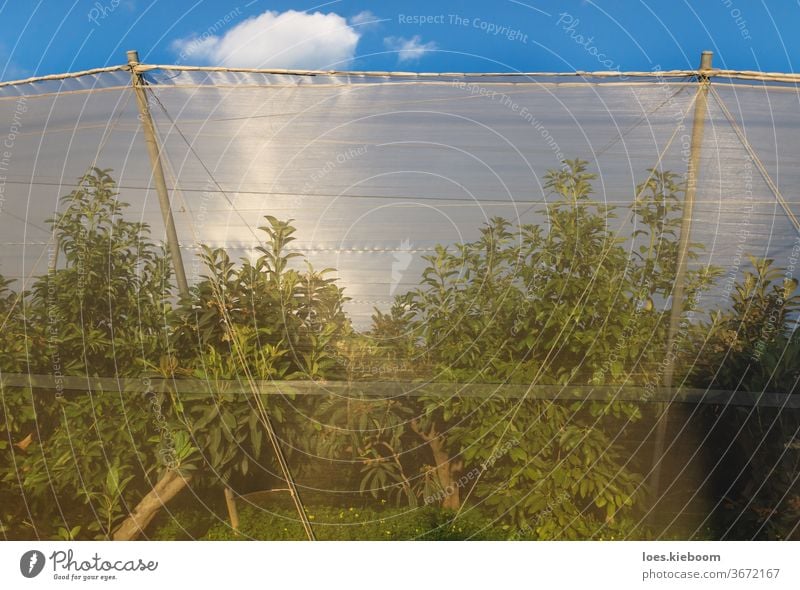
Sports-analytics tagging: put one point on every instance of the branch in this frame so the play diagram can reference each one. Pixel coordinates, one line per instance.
(165, 489)
(427, 437)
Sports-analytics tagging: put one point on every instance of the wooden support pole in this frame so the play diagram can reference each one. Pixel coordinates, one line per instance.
(233, 512)
(674, 338)
(154, 151)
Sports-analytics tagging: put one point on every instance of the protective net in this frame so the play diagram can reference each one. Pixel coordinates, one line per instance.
(420, 306)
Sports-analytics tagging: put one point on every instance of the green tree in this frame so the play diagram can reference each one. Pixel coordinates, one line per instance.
(100, 313)
(107, 311)
(562, 307)
(754, 347)
(261, 320)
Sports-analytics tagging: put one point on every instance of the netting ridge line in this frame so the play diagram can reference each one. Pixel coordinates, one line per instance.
(397, 74)
(710, 73)
(64, 76)
(736, 74)
(447, 83)
(141, 68)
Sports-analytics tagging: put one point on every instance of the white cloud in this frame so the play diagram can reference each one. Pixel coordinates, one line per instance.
(408, 49)
(365, 19)
(291, 39)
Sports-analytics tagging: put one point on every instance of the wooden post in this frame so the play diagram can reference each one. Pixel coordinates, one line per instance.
(154, 151)
(233, 513)
(679, 287)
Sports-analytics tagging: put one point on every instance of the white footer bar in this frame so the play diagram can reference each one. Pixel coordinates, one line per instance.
(399, 565)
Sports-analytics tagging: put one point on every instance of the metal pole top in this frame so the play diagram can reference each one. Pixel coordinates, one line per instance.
(133, 57)
(706, 58)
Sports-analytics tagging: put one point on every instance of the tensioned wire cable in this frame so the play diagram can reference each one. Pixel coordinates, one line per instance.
(207, 170)
(426, 76)
(756, 160)
(237, 347)
(422, 77)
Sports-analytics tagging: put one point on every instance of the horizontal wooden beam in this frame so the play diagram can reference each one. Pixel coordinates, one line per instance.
(392, 389)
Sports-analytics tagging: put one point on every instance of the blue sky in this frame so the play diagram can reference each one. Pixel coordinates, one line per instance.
(49, 36)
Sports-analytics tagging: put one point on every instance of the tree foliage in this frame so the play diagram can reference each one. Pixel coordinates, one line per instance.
(575, 301)
(562, 305)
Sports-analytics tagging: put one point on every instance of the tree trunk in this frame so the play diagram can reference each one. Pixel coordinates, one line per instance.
(166, 488)
(447, 471)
